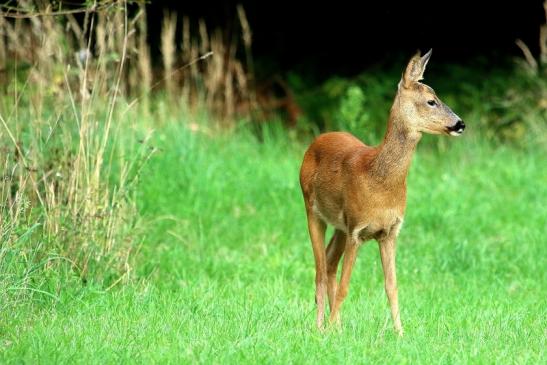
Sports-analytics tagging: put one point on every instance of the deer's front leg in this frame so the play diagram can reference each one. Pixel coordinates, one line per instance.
(387, 253)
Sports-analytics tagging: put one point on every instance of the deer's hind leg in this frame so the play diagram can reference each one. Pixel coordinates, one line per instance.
(350, 253)
(317, 234)
(335, 249)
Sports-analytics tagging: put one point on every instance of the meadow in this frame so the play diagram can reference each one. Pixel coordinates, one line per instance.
(225, 271)
(146, 231)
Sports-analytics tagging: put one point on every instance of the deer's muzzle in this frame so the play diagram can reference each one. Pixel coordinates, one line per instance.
(457, 128)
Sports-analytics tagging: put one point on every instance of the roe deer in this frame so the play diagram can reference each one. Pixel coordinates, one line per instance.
(361, 190)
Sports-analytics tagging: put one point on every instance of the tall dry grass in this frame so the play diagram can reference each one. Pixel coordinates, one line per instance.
(66, 187)
(224, 82)
(75, 91)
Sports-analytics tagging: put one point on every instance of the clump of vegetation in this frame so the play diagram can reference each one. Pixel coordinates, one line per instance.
(508, 105)
(67, 207)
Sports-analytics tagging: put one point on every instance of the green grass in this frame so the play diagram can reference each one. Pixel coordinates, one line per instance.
(225, 271)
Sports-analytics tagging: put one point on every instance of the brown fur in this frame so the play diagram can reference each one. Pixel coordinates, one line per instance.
(361, 190)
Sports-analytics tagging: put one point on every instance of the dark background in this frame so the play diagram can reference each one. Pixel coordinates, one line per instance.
(343, 37)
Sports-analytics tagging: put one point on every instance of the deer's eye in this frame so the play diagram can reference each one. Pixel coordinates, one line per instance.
(432, 102)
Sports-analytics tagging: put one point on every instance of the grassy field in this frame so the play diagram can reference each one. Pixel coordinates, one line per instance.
(225, 272)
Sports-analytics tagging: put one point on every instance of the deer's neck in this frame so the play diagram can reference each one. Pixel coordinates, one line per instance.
(394, 156)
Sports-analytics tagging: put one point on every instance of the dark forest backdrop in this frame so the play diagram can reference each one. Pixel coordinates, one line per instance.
(346, 36)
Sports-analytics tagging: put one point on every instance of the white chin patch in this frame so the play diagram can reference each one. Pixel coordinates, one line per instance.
(457, 133)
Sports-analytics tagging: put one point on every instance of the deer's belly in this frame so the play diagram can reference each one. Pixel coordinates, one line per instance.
(378, 229)
(374, 225)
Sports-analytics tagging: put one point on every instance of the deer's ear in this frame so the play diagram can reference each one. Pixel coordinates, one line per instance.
(425, 59)
(415, 69)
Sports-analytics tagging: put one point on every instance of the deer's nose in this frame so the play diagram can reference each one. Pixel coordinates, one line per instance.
(457, 128)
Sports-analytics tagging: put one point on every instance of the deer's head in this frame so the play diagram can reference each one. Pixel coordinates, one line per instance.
(420, 107)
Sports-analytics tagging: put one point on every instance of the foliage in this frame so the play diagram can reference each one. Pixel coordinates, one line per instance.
(505, 104)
